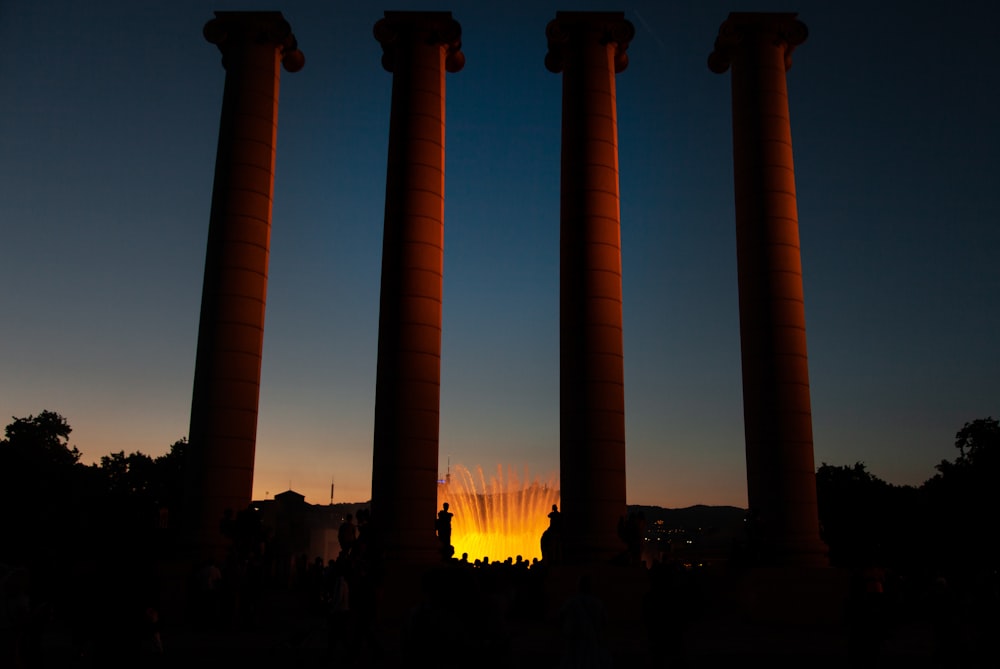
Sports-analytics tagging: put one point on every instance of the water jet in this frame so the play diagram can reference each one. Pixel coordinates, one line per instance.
(500, 517)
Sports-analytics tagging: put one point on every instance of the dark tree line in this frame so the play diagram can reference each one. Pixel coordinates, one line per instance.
(945, 524)
(63, 518)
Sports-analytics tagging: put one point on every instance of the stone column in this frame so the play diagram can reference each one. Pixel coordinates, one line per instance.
(781, 474)
(418, 47)
(588, 48)
(223, 426)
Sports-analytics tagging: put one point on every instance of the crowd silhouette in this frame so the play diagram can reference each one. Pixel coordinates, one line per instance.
(467, 605)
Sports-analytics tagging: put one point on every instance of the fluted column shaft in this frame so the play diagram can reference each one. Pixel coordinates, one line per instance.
(419, 47)
(781, 474)
(224, 403)
(588, 48)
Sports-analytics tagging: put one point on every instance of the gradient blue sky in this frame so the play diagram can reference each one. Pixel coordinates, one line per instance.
(107, 149)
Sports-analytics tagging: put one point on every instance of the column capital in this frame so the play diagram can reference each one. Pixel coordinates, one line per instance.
(780, 29)
(229, 30)
(603, 27)
(432, 28)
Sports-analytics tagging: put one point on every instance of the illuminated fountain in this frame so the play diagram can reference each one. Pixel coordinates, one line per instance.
(500, 518)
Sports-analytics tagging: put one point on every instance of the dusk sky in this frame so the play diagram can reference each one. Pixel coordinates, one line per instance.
(107, 149)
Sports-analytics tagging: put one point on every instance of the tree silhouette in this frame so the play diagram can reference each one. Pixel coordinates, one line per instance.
(41, 483)
(169, 474)
(944, 525)
(962, 495)
(978, 444)
(50, 502)
(40, 441)
(128, 475)
(864, 519)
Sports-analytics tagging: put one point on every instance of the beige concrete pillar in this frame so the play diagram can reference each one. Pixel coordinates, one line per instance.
(223, 426)
(418, 48)
(588, 48)
(781, 474)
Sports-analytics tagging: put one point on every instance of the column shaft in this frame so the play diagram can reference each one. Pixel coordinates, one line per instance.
(588, 48)
(418, 48)
(781, 474)
(224, 403)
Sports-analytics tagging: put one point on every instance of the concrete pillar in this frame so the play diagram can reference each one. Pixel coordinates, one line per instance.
(223, 426)
(418, 47)
(588, 48)
(781, 474)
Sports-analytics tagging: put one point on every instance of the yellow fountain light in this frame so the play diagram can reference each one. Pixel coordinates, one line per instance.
(498, 518)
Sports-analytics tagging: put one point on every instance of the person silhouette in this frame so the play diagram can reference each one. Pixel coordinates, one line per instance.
(554, 518)
(443, 526)
(551, 541)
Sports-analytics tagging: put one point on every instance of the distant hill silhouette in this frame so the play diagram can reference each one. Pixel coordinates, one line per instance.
(697, 534)
(693, 517)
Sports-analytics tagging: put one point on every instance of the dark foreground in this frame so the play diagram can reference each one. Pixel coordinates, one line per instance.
(456, 617)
